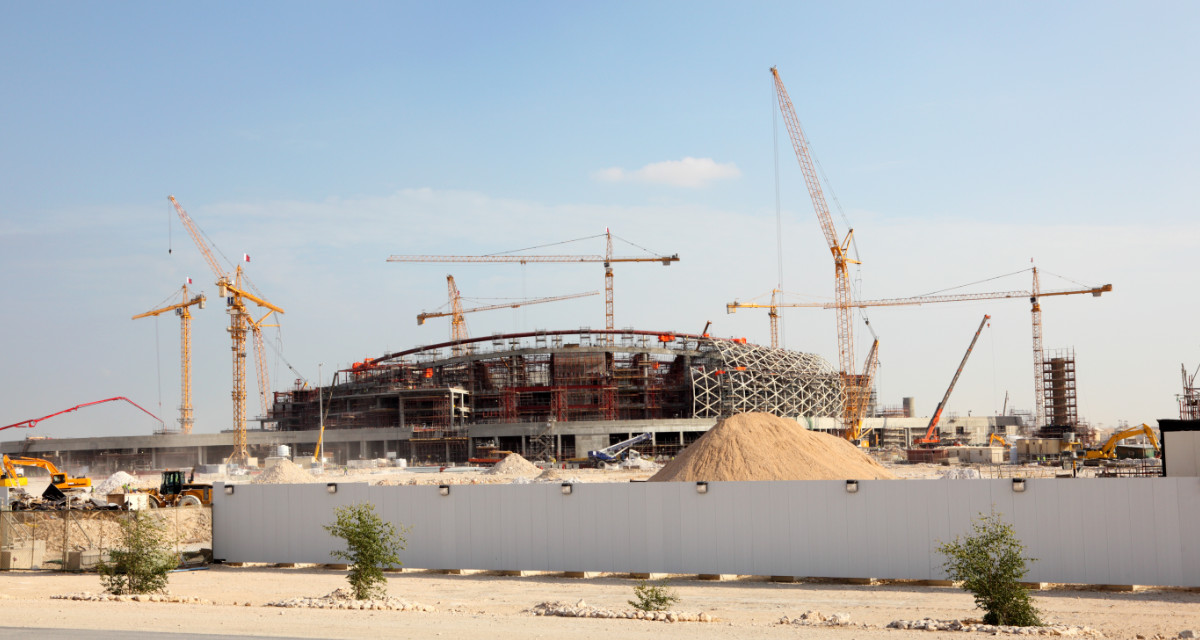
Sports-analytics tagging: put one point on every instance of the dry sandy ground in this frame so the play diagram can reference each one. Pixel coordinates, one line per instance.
(477, 606)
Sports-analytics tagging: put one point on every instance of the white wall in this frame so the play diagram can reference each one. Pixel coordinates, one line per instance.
(1183, 452)
(1092, 531)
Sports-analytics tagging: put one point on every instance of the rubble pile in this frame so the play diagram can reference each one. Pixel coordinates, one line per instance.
(343, 598)
(929, 624)
(115, 483)
(583, 610)
(141, 597)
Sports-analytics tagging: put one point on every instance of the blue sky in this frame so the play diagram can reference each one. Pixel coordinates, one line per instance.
(962, 139)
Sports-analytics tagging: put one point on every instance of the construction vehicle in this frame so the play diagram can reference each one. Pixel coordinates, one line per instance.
(617, 452)
(10, 476)
(931, 437)
(60, 480)
(174, 491)
(997, 439)
(1108, 450)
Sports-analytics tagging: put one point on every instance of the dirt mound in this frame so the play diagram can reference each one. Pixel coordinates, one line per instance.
(513, 464)
(760, 446)
(284, 472)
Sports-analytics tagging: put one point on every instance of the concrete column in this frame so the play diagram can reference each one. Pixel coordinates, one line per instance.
(362, 449)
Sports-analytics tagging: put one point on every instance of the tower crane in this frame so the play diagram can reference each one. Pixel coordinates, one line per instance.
(1033, 295)
(229, 286)
(458, 326)
(839, 250)
(607, 259)
(182, 309)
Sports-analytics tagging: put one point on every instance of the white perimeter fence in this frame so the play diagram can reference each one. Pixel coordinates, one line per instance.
(1143, 531)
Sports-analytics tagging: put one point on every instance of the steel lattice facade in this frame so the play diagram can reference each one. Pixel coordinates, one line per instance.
(737, 377)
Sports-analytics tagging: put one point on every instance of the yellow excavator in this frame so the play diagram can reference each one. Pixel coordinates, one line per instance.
(998, 439)
(12, 477)
(1108, 450)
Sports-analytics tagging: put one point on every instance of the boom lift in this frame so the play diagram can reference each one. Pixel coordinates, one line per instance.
(617, 452)
(181, 309)
(931, 434)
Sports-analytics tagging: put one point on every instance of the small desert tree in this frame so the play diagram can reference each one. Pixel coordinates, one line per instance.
(141, 562)
(652, 597)
(990, 564)
(371, 545)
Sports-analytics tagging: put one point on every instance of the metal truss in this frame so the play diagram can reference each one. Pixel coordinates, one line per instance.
(735, 378)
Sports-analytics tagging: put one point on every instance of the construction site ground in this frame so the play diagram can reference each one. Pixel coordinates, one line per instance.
(484, 605)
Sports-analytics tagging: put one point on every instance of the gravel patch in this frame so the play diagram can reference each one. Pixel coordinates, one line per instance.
(582, 610)
(141, 597)
(344, 599)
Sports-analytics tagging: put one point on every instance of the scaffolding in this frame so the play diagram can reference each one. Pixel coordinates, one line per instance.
(1189, 400)
(1058, 384)
(546, 378)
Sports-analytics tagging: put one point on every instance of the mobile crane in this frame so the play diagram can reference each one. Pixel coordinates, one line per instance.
(931, 434)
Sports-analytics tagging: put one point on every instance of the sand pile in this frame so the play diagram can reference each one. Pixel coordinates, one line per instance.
(760, 446)
(513, 464)
(284, 472)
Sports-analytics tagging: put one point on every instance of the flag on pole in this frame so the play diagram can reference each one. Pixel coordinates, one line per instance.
(189, 280)
(246, 257)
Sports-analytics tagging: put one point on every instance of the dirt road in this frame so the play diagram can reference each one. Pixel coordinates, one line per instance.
(476, 606)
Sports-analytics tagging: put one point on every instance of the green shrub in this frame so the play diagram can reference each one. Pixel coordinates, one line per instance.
(371, 545)
(653, 597)
(990, 564)
(141, 562)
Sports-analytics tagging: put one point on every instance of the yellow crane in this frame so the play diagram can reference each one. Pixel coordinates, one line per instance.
(458, 325)
(1034, 294)
(857, 387)
(182, 309)
(607, 259)
(229, 286)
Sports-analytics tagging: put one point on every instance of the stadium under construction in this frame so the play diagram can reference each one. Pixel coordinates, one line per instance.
(543, 394)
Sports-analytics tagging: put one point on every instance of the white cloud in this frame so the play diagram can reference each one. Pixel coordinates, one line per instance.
(690, 172)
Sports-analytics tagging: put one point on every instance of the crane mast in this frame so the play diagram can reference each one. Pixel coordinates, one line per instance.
(185, 347)
(240, 322)
(458, 325)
